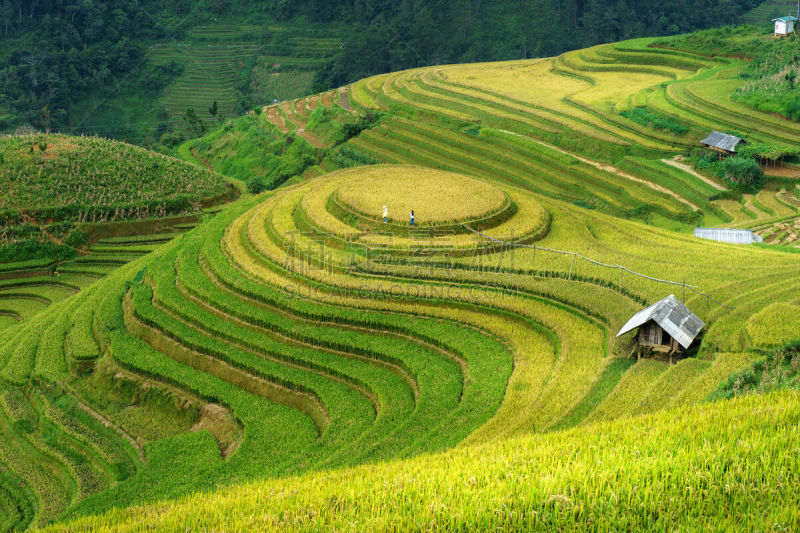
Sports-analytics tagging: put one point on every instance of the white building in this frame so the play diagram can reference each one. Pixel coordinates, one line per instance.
(784, 25)
(732, 236)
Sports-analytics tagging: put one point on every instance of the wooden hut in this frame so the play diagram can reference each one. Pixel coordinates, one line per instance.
(722, 142)
(784, 26)
(666, 327)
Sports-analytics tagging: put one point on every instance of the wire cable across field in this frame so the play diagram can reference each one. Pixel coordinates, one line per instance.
(598, 263)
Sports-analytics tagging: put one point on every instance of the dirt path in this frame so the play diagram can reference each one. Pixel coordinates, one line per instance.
(612, 169)
(690, 170)
(312, 138)
(788, 171)
(274, 116)
(203, 160)
(344, 99)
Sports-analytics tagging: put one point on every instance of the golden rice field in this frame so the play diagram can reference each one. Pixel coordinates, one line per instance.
(293, 363)
(436, 196)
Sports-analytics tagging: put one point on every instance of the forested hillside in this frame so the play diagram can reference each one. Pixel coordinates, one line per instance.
(102, 67)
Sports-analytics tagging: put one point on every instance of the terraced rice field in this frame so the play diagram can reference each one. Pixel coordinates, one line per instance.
(295, 332)
(25, 293)
(217, 57)
(333, 345)
(768, 10)
(573, 104)
(210, 74)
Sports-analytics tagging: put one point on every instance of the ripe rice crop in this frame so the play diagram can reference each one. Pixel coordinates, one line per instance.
(435, 196)
(293, 335)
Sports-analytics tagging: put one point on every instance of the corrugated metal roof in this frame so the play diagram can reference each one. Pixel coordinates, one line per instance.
(732, 236)
(722, 141)
(785, 19)
(673, 316)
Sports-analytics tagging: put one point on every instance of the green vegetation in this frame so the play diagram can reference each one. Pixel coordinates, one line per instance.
(53, 185)
(774, 80)
(779, 371)
(641, 115)
(295, 333)
(768, 10)
(530, 483)
(770, 78)
(741, 172)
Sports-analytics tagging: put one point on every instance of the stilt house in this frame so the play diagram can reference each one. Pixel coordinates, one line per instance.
(665, 327)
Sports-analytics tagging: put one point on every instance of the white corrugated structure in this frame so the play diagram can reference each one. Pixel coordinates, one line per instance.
(722, 142)
(732, 236)
(784, 25)
(672, 316)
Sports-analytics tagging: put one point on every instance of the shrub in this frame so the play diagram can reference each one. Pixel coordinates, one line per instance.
(643, 116)
(34, 249)
(743, 171)
(256, 186)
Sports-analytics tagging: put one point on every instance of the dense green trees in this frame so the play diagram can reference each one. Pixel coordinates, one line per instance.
(62, 50)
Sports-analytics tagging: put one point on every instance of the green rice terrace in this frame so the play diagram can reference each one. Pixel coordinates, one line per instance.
(768, 10)
(75, 208)
(295, 362)
(279, 61)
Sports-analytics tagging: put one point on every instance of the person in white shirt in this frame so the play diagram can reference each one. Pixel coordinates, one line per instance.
(385, 214)
(412, 217)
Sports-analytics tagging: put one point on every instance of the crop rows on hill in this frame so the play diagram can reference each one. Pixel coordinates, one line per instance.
(217, 57)
(323, 338)
(30, 291)
(578, 93)
(768, 10)
(221, 317)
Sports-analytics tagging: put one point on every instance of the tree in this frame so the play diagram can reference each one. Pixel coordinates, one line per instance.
(214, 109)
(46, 119)
(6, 14)
(194, 122)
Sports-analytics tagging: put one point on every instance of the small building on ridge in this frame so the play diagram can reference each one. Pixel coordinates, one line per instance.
(784, 25)
(666, 327)
(722, 142)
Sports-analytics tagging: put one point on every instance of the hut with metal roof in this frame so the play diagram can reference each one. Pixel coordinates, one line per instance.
(784, 25)
(722, 142)
(666, 327)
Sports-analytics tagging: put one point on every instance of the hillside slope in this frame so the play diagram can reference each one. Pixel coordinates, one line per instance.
(62, 194)
(298, 332)
(608, 477)
(131, 70)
